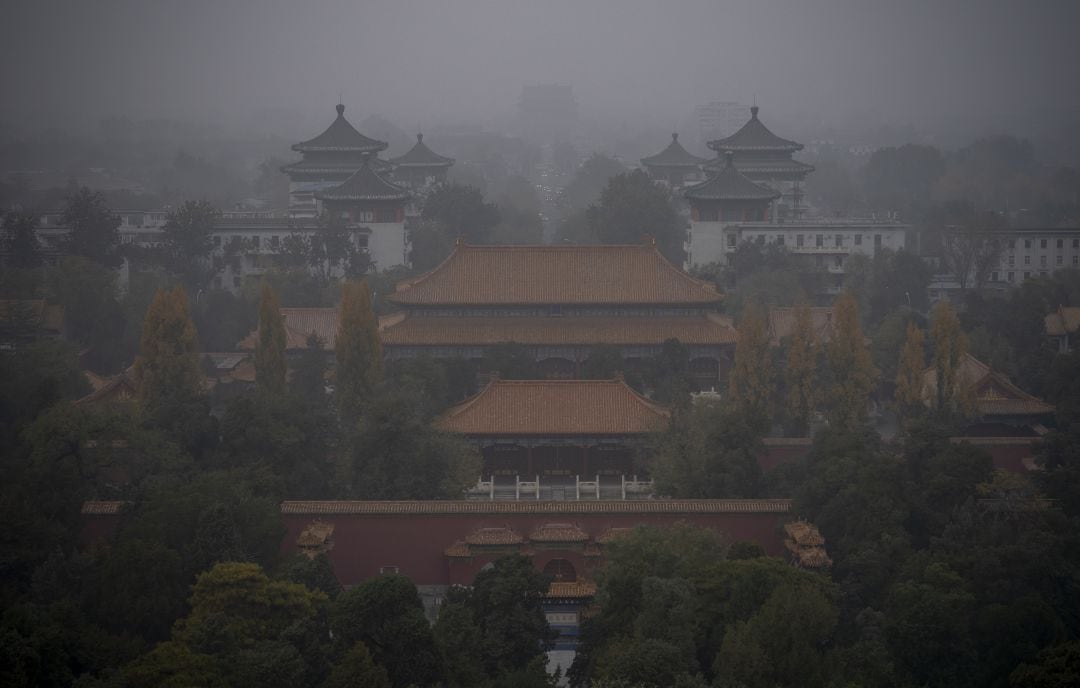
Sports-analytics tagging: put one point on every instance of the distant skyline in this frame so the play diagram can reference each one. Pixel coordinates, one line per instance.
(978, 65)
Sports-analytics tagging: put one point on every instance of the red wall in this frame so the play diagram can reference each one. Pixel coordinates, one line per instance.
(775, 451)
(1007, 453)
(415, 543)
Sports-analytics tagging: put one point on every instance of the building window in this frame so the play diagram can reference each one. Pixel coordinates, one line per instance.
(1027, 260)
(1076, 243)
(1012, 243)
(780, 240)
(1027, 243)
(799, 240)
(877, 242)
(388, 569)
(1061, 243)
(1012, 261)
(236, 281)
(274, 242)
(1060, 259)
(1042, 273)
(255, 242)
(217, 240)
(1042, 261)
(1042, 243)
(994, 276)
(839, 240)
(858, 239)
(1027, 275)
(362, 241)
(1011, 275)
(1076, 260)
(838, 261)
(731, 239)
(819, 240)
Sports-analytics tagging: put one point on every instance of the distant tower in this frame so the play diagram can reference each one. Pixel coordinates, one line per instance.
(765, 158)
(674, 164)
(329, 159)
(421, 167)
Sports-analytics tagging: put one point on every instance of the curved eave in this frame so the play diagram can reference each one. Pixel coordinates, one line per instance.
(361, 197)
(447, 163)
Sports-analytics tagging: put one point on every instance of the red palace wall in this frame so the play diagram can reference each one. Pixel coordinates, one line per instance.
(777, 450)
(1013, 454)
(365, 543)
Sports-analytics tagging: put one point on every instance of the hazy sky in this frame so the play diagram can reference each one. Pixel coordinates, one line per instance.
(930, 63)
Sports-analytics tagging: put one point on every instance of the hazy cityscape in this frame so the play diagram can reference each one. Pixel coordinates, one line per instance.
(502, 344)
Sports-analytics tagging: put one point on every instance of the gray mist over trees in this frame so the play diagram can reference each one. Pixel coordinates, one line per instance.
(965, 68)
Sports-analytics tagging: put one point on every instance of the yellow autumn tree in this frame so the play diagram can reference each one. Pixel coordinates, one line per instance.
(852, 369)
(358, 349)
(800, 372)
(951, 394)
(750, 384)
(270, 363)
(168, 364)
(909, 373)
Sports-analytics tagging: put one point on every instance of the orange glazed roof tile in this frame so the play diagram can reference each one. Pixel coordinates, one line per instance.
(439, 507)
(555, 407)
(570, 274)
(299, 324)
(572, 589)
(557, 331)
(994, 393)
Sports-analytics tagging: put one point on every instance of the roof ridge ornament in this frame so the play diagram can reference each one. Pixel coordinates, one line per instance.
(340, 110)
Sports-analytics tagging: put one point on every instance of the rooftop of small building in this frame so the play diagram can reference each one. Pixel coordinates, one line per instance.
(420, 155)
(674, 155)
(728, 184)
(340, 136)
(364, 185)
(754, 136)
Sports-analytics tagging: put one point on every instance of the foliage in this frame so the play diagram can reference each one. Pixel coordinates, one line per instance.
(632, 207)
(710, 451)
(590, 179)
(187, 237)
(20, 239)
(952, 395)
(385, 613)
(270, 347)
(909, 375)
(167, 371)
(460, 212)
(852, 371)
(94, 228)
(93, 316)
(801, 371)
(358, 349)
(357, 668)
(751, 375)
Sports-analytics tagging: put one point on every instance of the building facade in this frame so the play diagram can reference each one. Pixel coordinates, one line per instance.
(560, 303)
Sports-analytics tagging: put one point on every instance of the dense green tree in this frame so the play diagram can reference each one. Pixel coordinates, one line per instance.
(93, 316)
(951, 394)
(709, 451)
(632, 207)
(357, 668)
(385, 613)
(358, 349)
(1057, 667)
(800, 372)
(462, 211)
(909, 375)
(457, 637)
(168, 366)
(270, 365)
(430, 243)
(308, 380)
(590, 179)
(94, 228)
(751, 380)
(188, 240)
(506, 602)
(395, 453)
(852, 371)
(20, 239)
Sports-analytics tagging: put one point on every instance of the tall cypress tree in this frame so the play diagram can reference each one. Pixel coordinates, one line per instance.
(909, 373)
(270, 348)
(950, 347)
(358, 349)
(852, 368)
(751, 375)
(167, 368)
(801, 370)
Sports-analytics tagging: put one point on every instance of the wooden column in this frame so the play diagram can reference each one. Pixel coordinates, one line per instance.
(584, 459)
(529, 460)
